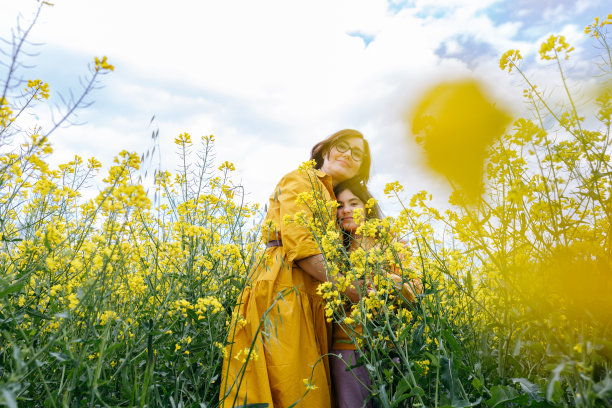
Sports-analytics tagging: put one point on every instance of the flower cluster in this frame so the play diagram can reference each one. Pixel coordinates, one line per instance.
(102, 64)
(594, 30)
(509, 59)
(553, 46)
(38, 88)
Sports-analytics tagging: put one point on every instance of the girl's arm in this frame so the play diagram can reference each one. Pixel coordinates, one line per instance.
(315, 266)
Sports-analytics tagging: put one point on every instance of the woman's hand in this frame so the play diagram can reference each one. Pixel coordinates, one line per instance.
(411, 288)
(315, 267)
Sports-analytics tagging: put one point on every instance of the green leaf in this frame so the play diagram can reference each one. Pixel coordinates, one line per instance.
(61, 357)
(191, 313)
(4, 239)
(539, 404)
(36, 313)
(605, 349)
(603, 388)
(450, 340)
(402, 393)
(433, 359)
(501, 394)
(460, 403)
(529, 388)
(384, 398)
(402, 388)
(517, 347)
(477, 384)
(12, 288)
(9, 398)
(405, 333)
(417, 338)
(554, 392)
(448, 377)
(109, 350)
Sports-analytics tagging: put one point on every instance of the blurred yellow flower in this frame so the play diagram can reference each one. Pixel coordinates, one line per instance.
(456, 122)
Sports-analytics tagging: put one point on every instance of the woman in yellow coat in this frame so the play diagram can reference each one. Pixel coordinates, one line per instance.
(279, 337)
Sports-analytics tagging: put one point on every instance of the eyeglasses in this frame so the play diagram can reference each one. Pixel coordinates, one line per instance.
(356, 153)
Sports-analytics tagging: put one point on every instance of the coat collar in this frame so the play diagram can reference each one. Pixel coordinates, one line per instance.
(326, 179)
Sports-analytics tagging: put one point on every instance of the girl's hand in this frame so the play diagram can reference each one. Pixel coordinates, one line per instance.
(352, 293)
(411, 288)
(354, 289)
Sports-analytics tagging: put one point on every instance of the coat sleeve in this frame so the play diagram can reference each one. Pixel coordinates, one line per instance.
(298, 240)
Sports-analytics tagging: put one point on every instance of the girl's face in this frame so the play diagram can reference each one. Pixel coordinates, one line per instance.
(342, 165)
(347, 204)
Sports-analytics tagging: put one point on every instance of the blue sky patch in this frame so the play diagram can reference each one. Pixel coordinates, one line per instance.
(469, 50)
(367, 38)
(395, 6)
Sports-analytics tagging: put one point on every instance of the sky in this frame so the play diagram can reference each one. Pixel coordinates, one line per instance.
(271, 78)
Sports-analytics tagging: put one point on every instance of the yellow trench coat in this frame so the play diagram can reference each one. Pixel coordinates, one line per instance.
(292, 349)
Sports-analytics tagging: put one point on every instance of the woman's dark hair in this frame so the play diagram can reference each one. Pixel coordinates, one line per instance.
(361, 192)
(320, 150)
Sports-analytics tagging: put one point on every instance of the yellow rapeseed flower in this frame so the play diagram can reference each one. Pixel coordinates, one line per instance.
(594, 29)
(309, 386)
(553, 46)
(227, 166)
(243, 354)
(509, 60)
(394, 187)
(38, 87)
(183, 139)
(307, 165)
(103, 64)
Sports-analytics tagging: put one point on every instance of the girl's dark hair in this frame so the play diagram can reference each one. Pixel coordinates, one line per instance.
(320, 150)
(361, 192)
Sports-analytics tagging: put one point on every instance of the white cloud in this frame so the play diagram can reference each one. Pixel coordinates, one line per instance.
(272, 77)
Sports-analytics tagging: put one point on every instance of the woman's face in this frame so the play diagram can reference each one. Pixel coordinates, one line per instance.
(347, 204)
(342, 165)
